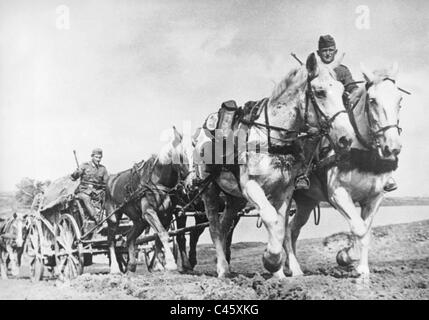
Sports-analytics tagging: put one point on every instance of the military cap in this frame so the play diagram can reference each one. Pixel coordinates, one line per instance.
(326, 41)
(97, 151)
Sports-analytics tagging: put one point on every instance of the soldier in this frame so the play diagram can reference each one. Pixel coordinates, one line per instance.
(327, 52)
(93, 182)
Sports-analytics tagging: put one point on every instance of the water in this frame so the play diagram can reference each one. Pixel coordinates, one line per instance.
(331, 221)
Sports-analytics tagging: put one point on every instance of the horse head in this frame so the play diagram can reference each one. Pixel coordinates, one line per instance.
(381, 105)
(17, 227)
(324, 95)
(179, 152)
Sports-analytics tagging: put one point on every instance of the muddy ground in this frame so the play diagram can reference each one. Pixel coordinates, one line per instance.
(399, 263)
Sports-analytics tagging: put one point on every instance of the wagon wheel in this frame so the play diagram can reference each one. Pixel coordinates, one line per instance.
(68, 249)
(32, 253)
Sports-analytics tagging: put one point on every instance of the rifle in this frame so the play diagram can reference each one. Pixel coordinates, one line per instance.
(75, 158)
(296, 58)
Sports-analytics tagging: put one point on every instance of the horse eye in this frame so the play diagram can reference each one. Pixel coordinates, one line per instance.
(372, 100)
(320, 93)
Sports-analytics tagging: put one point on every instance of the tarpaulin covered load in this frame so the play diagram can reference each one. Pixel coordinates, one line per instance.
(58, 191)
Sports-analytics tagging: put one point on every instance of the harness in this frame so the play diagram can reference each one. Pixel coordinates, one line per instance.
(374, 142)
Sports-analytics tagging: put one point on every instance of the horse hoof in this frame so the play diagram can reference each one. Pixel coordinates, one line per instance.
(273, 262)
(192, 262)
(362, 270)
(132, 267)
(170, 267)
(343, 258)
(279, 275)
(115, 271)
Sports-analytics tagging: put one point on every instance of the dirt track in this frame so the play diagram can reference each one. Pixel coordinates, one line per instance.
(399, 262)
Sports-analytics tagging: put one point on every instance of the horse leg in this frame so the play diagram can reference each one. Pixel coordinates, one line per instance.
(181, 243)
(293, 229)
(152, 218)
(193, 240)
(211, 202)
(369, 209)
(135, 231)
(273, 257)
(3, 267)
(112, 227)
(343, 202)
(230, 220)
(13, 258)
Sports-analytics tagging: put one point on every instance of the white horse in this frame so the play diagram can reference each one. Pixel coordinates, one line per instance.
(374, 113)
(308, 96)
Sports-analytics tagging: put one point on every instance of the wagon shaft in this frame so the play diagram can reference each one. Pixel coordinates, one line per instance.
(174, 233)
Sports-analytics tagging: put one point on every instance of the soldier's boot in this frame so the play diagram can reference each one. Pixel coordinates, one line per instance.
(390, 185)
(302, 182)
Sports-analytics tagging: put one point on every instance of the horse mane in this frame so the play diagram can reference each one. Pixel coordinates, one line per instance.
(381, 74)
(294, 80)
(367, 161)
(356, 94)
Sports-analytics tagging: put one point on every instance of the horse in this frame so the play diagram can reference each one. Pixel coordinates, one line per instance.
(143, 194)
(309, 96)
(374, 114)
(189, 200)
(11, 241)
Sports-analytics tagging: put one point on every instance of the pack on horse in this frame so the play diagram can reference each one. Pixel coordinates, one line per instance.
(309, 96)
(374, 114)
(143, 194)
(11, 241)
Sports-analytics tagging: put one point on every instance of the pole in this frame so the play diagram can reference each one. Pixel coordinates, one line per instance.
(75, 158)
(296, 58)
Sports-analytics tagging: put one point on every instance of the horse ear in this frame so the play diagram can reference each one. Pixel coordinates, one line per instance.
(177, 137)
(311, 65)
(367, 74)
(394, 70)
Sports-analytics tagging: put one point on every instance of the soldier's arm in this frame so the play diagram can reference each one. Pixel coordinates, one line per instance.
(105, 177)
(347, 80)
(78, 172)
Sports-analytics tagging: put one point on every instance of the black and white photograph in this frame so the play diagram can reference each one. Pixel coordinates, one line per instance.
(214, 150)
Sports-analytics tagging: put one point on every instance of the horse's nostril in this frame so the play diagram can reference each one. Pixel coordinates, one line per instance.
(386, 151)
(396, 151)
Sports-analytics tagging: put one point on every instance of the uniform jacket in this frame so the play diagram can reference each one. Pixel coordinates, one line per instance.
(345, 77)
(91, 175)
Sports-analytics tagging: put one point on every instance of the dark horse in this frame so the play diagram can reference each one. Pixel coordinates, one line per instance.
(143, 194)
(11, 241)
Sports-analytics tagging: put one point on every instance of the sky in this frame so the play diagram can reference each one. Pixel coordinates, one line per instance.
(121, 73)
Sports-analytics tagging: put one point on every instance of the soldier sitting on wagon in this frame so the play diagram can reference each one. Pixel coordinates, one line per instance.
(93, 182)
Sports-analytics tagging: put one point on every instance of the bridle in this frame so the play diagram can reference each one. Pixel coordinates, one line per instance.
(323, 120)
(374, 134)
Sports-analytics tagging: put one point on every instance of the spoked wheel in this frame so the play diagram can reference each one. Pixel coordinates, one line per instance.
(68, 249)
(32, 253)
